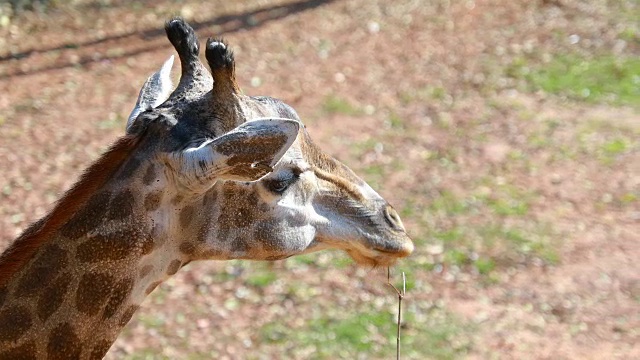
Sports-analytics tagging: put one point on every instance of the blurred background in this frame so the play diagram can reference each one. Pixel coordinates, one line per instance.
(505, 132)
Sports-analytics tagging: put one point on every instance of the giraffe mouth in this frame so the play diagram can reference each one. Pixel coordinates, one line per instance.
(404, 251)
(376, 257)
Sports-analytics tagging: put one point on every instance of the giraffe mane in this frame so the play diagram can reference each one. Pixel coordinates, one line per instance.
(94, 177)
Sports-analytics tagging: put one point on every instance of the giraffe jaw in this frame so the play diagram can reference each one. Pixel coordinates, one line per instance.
(374, 260)
(397, 248)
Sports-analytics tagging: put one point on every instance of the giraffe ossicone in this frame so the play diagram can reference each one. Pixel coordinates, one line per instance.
(203, 172)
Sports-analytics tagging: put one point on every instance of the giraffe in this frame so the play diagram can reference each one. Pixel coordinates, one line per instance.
(203, 172)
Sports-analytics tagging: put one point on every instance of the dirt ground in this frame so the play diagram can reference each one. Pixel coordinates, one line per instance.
(524, 204)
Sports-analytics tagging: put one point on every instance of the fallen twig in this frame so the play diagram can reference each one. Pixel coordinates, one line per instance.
(401, 295)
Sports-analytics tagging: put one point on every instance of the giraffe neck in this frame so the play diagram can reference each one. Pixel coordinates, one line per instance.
(72, 281)
(85, 282)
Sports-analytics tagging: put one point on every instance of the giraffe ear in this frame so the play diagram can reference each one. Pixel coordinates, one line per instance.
(154, 92)
(246, 153)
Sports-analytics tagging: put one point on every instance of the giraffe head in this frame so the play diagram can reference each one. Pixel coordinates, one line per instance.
(232, 176)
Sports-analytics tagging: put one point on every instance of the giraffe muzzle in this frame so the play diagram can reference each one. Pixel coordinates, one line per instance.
(397, 249)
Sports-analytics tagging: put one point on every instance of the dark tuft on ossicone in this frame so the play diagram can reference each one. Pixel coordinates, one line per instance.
(222, 64)
(183, 38)
(195, 80)
(218, 54)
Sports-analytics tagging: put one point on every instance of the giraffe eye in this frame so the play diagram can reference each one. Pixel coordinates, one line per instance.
(280, 184)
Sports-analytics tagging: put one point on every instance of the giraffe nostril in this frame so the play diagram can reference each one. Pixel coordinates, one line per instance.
(392, 217)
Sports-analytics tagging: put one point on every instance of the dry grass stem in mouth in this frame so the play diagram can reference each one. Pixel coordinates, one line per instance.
(401, 295)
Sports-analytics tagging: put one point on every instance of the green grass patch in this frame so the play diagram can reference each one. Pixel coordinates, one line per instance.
(262, 278)
(305, 259)
(336, 105)
(629, 198)
(504, 242)
(448, 203)
(505, 199)
(362, 147)
(352, 335)
(610, 150)
(374, 175)
(606, 141)
(614, 147)
(508, 207)
(341, 260)
(456, 257)
(454, 235)
(484, 265)
(485, 230)
(428, 93)
(395, 121)
(600, 79)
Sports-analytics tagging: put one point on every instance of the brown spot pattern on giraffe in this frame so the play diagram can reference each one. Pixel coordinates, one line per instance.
(118, 296)
(264, 207)
(174, 266)
(51, 299)
(203, 232)
(63, 343)
(14, 322)
(146, 244)
(152, 200)
(240, 210)
(149, 175)
(145, 270)
(270, 240)
(25, 351)
(121, 206)
(88, 217)
(128, 314)
(48, 263)
(187, 248)
(114, 246)
(3, 295)
(93, 291)
(152, 287)
(186, 215)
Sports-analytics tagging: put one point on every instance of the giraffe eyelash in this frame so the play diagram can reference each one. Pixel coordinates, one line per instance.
(279, 185)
